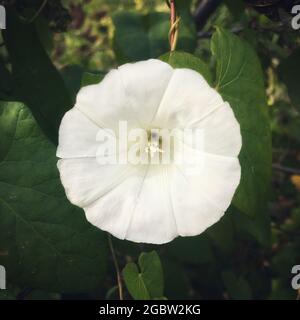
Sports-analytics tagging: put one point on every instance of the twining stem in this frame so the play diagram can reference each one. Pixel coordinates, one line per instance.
(115, 261)
(174, 22)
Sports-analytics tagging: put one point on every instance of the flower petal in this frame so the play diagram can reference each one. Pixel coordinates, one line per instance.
(77, 136)
(112, 212)
(132, 93)
(129, 212)
(221, 132)
(153, 220)
(85, 180)
(145, 83)
(201, 194)
(106, 103)
(188, 98)
(150, 204)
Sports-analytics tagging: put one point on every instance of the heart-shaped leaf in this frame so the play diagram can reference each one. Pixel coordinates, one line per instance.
(48, 242)
(146, 281)
(240, 82)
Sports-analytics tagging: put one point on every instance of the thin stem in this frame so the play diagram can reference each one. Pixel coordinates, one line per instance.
(115, 261)
(174, 23)
(32, 19)
(172, 20)
(286, 169)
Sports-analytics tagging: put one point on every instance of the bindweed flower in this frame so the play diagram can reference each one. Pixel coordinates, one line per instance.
(150, 153)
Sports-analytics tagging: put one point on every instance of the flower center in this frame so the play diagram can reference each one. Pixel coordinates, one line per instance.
(154, 144)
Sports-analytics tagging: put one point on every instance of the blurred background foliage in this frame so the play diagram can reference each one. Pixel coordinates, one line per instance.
(240, 257)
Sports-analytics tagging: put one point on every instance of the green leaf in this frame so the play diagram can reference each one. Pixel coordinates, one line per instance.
(148, 282)
(5, 82)
(44, 33)
(258, 227)
(222, 234)
(135, 283)
(72, 75)
(152, 273)
(237, 287)
(240, 82)
(183, 5)
(75, 77)
(37, 83)
(89, 78)
(140, 37)
(131, 42)
(237, 8)
(49, 243)
(158, 31)
(289, 72)
(186, 60)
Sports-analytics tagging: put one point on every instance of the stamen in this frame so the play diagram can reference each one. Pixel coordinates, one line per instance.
(152, 148)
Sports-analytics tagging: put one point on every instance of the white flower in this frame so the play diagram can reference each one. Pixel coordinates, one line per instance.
(150, 203)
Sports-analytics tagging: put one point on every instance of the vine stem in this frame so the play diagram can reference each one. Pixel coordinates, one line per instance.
(115, 261)
(174, 23)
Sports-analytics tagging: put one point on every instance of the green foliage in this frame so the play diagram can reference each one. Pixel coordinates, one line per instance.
(240, 81)
(47, 245)
(76, 77)
(236, 8)
(36, 81)
(186, 60)
(193, 250)
(289, 71)
(48, 242)
(145, 281)
(72, 75)
(257, 227)
(140, 37)
(237, 287)
(5, 82)
(131, 40)
(89, 78)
